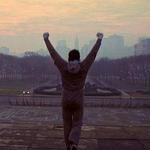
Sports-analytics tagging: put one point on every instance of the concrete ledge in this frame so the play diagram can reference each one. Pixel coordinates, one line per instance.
(90, 101)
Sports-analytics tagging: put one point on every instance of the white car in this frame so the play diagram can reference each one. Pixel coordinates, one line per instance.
(25, 92)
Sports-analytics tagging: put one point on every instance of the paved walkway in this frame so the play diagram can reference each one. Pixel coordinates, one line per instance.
(40, 128)
(92, 115)
(30, 136)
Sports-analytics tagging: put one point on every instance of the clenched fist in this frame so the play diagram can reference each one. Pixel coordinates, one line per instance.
(46, 35)
(99, 35)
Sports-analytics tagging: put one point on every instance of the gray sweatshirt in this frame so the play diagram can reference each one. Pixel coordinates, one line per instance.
(73, 84)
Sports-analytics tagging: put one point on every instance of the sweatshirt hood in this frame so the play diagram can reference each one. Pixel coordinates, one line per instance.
(73, 66)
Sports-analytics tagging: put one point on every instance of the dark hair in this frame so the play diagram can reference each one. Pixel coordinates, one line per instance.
(74, 55)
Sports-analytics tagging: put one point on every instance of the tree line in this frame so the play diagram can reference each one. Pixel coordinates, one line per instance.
(135, 69)
(37, 67)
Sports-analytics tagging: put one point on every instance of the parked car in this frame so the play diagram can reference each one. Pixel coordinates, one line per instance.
(25, 92)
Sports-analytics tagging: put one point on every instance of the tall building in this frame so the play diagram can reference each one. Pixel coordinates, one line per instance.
(113, 43)
(43, 52)
(142, 47)
(86, 48)
(61, 45)
(113, 47)
(84, 51)
(76, 43)
(4, 50)
(62, 48)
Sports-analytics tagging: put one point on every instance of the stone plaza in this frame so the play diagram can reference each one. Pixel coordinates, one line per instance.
(104, 128)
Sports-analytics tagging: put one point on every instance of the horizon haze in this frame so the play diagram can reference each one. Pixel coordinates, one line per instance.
(22, 22)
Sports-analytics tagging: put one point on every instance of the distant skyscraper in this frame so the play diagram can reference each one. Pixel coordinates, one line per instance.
(113, 46)
(114, 42)
(76, 43)
(43, 52)
(61, 44)
(4, 50)
(142, 47)
(84, 51)
(62, 48)
(86, 48)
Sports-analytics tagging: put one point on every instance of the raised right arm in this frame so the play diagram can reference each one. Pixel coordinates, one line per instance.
(58, 60)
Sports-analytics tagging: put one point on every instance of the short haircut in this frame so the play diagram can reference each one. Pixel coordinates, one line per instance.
(74, 55)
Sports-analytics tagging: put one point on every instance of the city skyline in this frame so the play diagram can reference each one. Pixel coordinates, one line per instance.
(112, 47)
(22, 22)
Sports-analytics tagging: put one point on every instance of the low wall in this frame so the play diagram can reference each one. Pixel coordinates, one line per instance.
(90, 101)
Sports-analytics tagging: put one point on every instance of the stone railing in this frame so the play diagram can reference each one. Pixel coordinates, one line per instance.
(90, 101)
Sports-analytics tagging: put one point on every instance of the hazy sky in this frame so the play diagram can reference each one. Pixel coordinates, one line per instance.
(22, 22)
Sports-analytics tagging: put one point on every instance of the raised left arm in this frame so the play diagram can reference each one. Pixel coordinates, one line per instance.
(87, 62)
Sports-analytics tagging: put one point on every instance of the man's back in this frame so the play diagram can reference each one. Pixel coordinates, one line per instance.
(71, 81)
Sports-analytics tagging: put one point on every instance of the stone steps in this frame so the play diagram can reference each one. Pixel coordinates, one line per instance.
(32, 136)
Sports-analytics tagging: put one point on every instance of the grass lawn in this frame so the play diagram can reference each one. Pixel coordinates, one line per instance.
(8, 91)
(139, 95)
(16, 87)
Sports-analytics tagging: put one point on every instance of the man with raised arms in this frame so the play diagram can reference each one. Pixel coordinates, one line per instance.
(73, 75)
